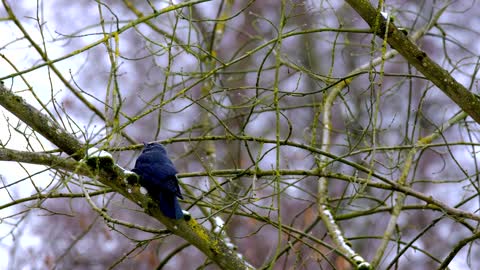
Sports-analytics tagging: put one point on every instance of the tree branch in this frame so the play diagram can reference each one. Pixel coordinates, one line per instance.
(418, 58)
(210, 244)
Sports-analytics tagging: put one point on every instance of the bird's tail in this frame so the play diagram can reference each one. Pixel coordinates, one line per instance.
(169, 205)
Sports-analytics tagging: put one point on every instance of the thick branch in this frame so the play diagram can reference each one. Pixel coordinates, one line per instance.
(210, 244)
(418, 58)
(40, 123)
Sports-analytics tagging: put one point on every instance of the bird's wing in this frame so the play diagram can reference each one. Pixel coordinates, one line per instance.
(158, 172)
(173, 186)
(170, 181)
(162, 176)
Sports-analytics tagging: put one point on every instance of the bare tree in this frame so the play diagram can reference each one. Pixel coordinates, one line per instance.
(308, 134)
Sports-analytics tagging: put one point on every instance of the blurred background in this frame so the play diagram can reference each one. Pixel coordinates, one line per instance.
(220, 83)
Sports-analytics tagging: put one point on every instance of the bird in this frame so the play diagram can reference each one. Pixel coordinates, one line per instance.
(158, 176)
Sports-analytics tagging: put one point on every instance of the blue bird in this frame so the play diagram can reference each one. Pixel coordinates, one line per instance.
(158, 176)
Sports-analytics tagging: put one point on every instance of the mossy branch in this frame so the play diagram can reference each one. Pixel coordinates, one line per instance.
(115, 177)
(397, 39)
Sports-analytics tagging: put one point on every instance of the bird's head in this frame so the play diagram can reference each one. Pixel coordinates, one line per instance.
(154, 147)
